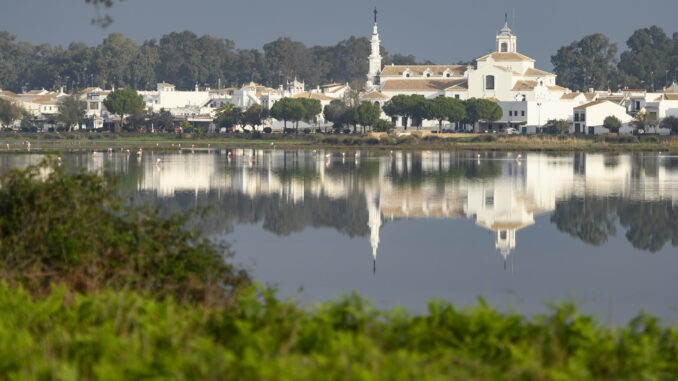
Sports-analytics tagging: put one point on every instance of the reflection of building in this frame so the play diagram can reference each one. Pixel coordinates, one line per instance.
(502, 192)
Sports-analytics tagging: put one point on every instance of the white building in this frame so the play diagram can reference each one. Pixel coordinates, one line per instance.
(588, 118)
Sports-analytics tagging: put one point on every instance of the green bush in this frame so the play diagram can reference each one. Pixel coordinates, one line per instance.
(649, 139)
(372, 141)
(68, 227)
(409, 139)
(122, 335)
(621, 139)
(388, 140)
(484, 138)
(256, 135)
(330, 140)
(432, 139)
(307, 131)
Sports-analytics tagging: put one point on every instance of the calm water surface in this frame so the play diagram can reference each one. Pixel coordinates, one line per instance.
(406, 227)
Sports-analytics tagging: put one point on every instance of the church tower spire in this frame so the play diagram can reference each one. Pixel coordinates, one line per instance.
(506, 40)
(374, 58)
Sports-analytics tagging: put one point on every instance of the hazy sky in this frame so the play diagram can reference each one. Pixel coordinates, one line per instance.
(444, 31)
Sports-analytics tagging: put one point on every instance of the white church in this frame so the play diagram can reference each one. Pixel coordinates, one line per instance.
(529, 97)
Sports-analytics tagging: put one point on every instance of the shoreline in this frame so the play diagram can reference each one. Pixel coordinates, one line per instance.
(52, 142)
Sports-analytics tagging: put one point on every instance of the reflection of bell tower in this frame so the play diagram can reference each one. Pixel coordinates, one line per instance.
(505, 242)
(374, 222)
(506, 40)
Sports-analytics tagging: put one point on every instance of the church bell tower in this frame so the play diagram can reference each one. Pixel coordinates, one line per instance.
(374, 59)
(506, 40)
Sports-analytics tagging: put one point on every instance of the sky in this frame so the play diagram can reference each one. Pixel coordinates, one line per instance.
(443, 31)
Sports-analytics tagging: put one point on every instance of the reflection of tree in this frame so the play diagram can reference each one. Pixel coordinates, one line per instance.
(589, 219)
(459, 167)
(650, 224)
(221, 210)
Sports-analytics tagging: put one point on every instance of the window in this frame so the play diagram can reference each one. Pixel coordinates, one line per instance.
(428, 75)
(510, 113)
(583, 116)
(524, 97)
(576, 117)
(637, 105)
(522, 113)
(407, 75)
(504, 47)
(489, 82)
(489, 200)
(503, 235)
(456, 96)
(448, 75)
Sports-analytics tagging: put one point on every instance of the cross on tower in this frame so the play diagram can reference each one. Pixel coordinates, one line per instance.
(375, 14)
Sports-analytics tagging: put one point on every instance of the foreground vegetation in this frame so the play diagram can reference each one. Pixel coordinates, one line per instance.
(93, 289)
(118, 335)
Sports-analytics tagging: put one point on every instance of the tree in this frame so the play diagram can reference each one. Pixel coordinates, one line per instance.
(409, 106)
(587, 63)
(72, 110)
(444, 108)
(254, 115)
(231, 116)
(335, 113)
(10, 112)
(124, 101)
(288, 109)
(163, 119)
(312, 108)
(557, 126)
(641, 121)
(612, 123)
(383, 126)
(368, 114)
(670, 122)
(481, 109)
(648, 58)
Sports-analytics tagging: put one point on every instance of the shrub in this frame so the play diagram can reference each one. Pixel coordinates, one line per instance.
(330, 140)
(484, 138)
(256, 135)
(288, 130)
(347, 131)
(69, 227)
(649, 139)
(388, 140)
(372, 141)
(318, 131)
(410, 139)
(383, 126)
(307, 131)
(432, 139)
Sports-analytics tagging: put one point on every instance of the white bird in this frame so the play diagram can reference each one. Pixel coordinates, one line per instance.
(7, 146)
(478, 156)
(110, 151)
(327, 156)
(94, 154)
(519, 156)
(128, 152)
(157, 162)
(139, 152)
(59, 161)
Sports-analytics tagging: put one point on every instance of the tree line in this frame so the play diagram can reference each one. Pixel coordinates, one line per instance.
(650, 62)
(182, 58)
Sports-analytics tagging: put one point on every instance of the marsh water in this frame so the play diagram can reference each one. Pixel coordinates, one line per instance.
(402, 228)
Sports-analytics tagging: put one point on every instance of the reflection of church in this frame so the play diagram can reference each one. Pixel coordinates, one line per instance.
(501, 191)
